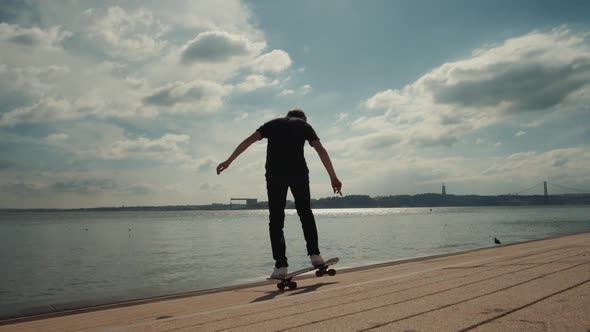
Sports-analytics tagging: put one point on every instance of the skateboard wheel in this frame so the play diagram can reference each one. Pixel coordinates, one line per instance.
(331, 272)
(292, 285)
(281, 286)
(319, 273)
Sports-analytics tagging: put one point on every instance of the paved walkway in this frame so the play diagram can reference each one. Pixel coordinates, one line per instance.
(536, 286)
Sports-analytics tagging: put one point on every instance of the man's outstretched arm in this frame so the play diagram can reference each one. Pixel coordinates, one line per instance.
(325, 158)
(256, 136)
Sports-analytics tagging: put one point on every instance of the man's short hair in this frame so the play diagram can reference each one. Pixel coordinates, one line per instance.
(296, 113)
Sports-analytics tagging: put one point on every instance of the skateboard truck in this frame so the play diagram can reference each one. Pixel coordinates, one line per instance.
(324, 270)
(287, 282)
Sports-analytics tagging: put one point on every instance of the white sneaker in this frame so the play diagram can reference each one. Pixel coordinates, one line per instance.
(279, 273)
(316, 260)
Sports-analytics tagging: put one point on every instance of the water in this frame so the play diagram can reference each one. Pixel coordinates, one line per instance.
(62, 257)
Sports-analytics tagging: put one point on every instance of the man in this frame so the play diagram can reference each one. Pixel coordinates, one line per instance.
(286, 168)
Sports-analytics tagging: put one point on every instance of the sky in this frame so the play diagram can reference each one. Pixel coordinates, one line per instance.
(126, 103)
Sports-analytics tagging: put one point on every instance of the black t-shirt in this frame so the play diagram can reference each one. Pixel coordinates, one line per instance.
(286, 138)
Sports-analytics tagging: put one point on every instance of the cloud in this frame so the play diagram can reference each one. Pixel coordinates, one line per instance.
(20, 188)
(534, 124)
(45, 72)
(233, 16)
(88, 186)
(51, 109)
(367, 145)
(166, 148)
(207, 165)
(7, 165)
(46, 110)
(514, 87)
(52, 93)
(558, 163)
(286, 92)
(22, 86)
(67, 71)
(188, 96)
(50, 85)
(535, 72)
(210, 187)
(139, 189)
(86, 84)
(25, 12)
(78, 186)
(342, 117)
(429, 140)
(56, 137)
(530, 73)
(403, 172)
(128, 34)
(33, 37)
(218, 46)
(520, 133)
(275, 61)
(253, 82)
(305, 89)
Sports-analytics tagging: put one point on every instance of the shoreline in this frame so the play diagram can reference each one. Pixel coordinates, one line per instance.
(34, 313)
(425, 200)
(171, 208)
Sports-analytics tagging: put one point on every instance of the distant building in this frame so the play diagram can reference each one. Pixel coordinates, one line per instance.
(250, 202)
(444, 190)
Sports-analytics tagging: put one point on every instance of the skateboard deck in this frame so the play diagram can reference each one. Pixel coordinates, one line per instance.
(320, 271)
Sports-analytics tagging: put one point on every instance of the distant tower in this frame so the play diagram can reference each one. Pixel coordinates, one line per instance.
(444, 190)
(546, 193)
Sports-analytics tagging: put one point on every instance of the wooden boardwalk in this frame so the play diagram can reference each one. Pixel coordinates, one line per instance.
(534, 286)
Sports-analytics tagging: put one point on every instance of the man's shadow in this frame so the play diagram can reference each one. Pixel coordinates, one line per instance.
(298, 291)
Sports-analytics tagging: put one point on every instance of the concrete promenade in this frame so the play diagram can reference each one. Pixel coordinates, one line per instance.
(533, 286)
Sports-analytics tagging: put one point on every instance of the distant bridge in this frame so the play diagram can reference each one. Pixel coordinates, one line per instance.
(544, 185)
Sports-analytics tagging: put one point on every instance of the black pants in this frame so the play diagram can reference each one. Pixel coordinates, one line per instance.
(276, 188)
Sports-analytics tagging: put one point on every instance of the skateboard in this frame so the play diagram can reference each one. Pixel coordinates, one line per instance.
(320, 271)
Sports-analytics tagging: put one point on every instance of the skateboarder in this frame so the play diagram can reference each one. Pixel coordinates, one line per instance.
(286, 168)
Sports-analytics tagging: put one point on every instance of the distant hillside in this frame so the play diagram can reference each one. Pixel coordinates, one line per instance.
(427, 200)
(365, 201)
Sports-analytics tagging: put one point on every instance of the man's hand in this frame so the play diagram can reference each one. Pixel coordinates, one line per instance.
(221, 167)
(336, 185)
(256, 136)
